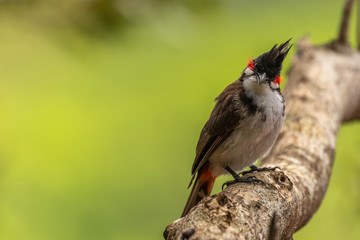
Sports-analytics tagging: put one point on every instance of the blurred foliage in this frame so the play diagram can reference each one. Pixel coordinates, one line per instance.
(98, 133)
(93, 16)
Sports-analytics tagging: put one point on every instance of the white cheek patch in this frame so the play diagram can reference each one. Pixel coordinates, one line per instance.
(274, 85)
(248, 71)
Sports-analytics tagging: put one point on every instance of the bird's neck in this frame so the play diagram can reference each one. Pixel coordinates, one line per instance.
(262, 95)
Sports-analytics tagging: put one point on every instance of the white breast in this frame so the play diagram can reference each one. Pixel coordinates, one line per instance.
(255, 136)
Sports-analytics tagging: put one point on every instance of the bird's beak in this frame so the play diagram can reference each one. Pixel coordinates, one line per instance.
(261, 78)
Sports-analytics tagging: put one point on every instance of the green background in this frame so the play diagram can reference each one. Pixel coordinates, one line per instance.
(102, 103)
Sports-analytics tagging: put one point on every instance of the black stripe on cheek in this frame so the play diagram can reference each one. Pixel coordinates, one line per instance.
(283, 112)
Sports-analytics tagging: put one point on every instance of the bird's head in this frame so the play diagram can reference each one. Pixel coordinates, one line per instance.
(266, 68)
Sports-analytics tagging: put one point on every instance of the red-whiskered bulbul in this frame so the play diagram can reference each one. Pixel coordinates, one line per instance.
(243, 126)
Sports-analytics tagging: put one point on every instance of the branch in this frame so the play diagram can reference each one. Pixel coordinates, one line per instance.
(358, 24)
(321, 94)
(344, 28)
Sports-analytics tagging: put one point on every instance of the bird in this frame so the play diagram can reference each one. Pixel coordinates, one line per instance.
(243, 126)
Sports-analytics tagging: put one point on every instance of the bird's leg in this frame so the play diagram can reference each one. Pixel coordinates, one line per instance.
(254, 168)
(238, 179)
(232, 172)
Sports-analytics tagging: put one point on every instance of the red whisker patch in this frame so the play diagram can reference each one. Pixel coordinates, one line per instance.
(251, 64)
(278, 79)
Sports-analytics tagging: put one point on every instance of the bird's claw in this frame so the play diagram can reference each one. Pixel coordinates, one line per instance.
(259, 169)
(250, 179)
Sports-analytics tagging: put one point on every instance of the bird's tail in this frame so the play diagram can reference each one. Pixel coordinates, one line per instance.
(202, 187)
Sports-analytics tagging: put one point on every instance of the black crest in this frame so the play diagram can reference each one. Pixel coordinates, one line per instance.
(271, 61)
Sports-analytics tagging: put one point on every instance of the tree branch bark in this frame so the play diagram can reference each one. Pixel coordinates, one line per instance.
(344, 28)
(358, 24)
(323, 91)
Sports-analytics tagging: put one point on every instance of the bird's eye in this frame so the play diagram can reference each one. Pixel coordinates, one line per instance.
(278, 80)
(259, 69)
(251, 64)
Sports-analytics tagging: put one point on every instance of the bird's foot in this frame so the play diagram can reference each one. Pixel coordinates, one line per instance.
(238, 179)
(254, 168)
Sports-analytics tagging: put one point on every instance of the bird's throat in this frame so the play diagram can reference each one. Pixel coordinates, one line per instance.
(253, 89)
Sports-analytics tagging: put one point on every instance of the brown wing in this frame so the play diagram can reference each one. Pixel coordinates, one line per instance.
(223, 119)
